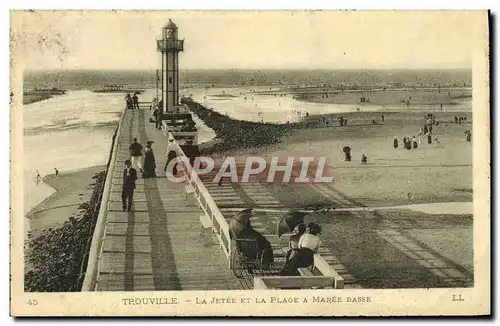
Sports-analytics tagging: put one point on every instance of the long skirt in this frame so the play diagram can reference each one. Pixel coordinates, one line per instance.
(303, 258)
(149, 165)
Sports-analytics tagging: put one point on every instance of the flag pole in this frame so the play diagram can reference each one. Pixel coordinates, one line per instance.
(157, 80)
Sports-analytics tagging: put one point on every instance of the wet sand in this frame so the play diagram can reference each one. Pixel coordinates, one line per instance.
(72, 189)
(406, 98)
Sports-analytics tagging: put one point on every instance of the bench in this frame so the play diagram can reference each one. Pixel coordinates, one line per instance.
(305, 271)
(206, 230)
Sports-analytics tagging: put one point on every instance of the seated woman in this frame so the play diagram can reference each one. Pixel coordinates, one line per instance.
(308, 246)
(293, 243)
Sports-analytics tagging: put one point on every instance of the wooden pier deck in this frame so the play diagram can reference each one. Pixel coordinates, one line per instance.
(157, 245)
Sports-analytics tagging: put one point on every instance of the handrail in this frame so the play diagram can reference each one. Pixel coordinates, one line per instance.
(205, 200)
(90, 280)
(95, 214)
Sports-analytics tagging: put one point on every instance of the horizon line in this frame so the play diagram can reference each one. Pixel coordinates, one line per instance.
(241, 69)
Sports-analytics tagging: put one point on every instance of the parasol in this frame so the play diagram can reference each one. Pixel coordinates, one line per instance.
(239, 222)
(288, 222)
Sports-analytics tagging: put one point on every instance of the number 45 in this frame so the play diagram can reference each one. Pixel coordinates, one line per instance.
(33, 302)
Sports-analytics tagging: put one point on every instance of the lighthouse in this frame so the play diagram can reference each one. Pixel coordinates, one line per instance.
(177, 120)
(170, 45)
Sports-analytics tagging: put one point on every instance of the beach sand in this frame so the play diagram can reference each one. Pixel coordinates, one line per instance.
(392, 176)
(387, 248)
(72, 189)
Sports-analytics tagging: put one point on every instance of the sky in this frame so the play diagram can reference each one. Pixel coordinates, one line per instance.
(247, 40)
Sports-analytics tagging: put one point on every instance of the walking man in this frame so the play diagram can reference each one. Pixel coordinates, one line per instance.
(129, 178)
(136, 154)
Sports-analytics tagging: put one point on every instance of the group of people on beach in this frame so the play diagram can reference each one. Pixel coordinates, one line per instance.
(460, 120)
(38, 177)
(347, 154)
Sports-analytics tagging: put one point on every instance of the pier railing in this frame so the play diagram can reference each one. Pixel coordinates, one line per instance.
(195, 186)
(91, 271)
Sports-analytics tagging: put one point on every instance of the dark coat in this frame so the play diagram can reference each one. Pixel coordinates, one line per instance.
(129, 180)
(149, 163)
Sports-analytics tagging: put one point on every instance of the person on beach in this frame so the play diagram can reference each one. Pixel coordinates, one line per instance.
(135, 101)
(456, 120)
(404, 142)
(136, 154)
(364, 159)
(408, 143)
(149, 162)
(347, 152)
(383, 118)
(129, 178)
(171, 154)
(468, 135)
(396, 142)
(415, 143)
(429, 138)
(56, 171)
(38, 177)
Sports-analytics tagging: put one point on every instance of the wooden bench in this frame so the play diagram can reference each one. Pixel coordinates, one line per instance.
(305, 271)
(206, 230)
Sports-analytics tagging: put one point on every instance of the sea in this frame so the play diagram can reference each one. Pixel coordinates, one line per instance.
(74, 130)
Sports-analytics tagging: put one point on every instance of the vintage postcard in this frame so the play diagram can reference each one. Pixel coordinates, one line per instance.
(250, 163)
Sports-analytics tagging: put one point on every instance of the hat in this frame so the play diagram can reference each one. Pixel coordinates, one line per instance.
(128, 161)
(170, 139)
(150, 142)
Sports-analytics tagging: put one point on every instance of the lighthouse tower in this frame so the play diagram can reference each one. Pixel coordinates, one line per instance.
(176, 119)
(170, 45)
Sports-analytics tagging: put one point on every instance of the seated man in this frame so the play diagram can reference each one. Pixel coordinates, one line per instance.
(251, 251)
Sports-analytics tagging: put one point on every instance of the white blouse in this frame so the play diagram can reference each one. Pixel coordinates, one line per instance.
(309, 241)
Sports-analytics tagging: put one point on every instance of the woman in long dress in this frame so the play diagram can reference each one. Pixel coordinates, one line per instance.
(149, 162)
(308, 246)
(293, 243)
